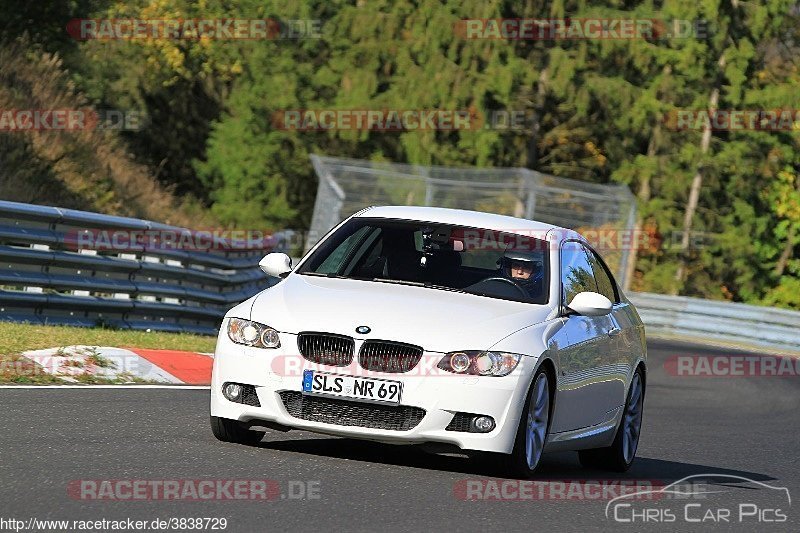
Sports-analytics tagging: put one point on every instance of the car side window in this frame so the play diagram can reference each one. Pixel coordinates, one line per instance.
(576, 271)
(605, 282)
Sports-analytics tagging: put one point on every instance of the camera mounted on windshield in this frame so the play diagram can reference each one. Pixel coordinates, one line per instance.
(435, 240)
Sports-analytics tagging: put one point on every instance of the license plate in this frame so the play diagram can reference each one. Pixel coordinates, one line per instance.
(367, 389)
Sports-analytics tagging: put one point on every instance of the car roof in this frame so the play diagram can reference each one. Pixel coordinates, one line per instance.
(462, 217)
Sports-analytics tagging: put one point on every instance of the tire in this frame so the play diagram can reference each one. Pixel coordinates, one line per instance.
(620, 455)
(534, 426)
(232, 431)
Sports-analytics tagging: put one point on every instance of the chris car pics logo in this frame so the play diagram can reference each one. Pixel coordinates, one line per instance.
(709, 499)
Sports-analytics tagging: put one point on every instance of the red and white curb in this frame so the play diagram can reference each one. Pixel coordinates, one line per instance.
(124, 364)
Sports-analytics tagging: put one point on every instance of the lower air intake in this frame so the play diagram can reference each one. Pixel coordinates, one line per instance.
(348, 413)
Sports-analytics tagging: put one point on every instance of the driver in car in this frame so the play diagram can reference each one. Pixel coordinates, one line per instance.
(524, 271)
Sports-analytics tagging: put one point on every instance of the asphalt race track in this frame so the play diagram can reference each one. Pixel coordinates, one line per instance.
(743, 427)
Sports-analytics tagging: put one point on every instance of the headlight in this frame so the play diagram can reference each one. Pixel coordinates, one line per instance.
(252, 333)
(480, 363)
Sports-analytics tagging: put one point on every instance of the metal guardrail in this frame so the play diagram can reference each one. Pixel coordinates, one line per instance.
(721, 321)
(48, 278)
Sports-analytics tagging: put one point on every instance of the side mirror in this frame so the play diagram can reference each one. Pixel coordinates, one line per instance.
(275, 264)
(590, 304)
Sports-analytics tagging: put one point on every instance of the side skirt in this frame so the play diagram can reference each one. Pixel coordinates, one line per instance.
(598, 436)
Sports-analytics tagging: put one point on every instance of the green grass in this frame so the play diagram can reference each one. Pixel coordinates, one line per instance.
(18, 338)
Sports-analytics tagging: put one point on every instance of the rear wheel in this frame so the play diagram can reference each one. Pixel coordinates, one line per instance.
(533, 428)
(228, 430)
(619, 456)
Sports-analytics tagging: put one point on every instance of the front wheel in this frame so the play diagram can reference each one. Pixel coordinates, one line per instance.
(619, 456)
(533, 428)
(232, 431)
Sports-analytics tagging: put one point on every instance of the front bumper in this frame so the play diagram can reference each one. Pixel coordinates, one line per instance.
(440, 394)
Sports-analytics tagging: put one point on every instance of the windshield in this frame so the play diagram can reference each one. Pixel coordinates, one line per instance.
(444, 257)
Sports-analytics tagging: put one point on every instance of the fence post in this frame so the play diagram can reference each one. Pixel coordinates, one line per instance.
(530, 205)
(628, 261)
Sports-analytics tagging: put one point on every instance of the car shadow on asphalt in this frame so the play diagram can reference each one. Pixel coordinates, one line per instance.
(564, 465)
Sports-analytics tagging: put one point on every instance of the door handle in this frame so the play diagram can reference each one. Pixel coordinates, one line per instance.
(613, 332)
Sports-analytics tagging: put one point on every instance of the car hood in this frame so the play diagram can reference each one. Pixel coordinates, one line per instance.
(437, 320)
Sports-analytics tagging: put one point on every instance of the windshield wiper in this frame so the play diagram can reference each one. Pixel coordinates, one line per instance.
(425, 284)
(399, 282)
(322, 275)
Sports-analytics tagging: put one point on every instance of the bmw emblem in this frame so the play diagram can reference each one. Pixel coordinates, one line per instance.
(363, 330)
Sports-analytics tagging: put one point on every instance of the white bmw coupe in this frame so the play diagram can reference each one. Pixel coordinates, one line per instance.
(439, 326)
